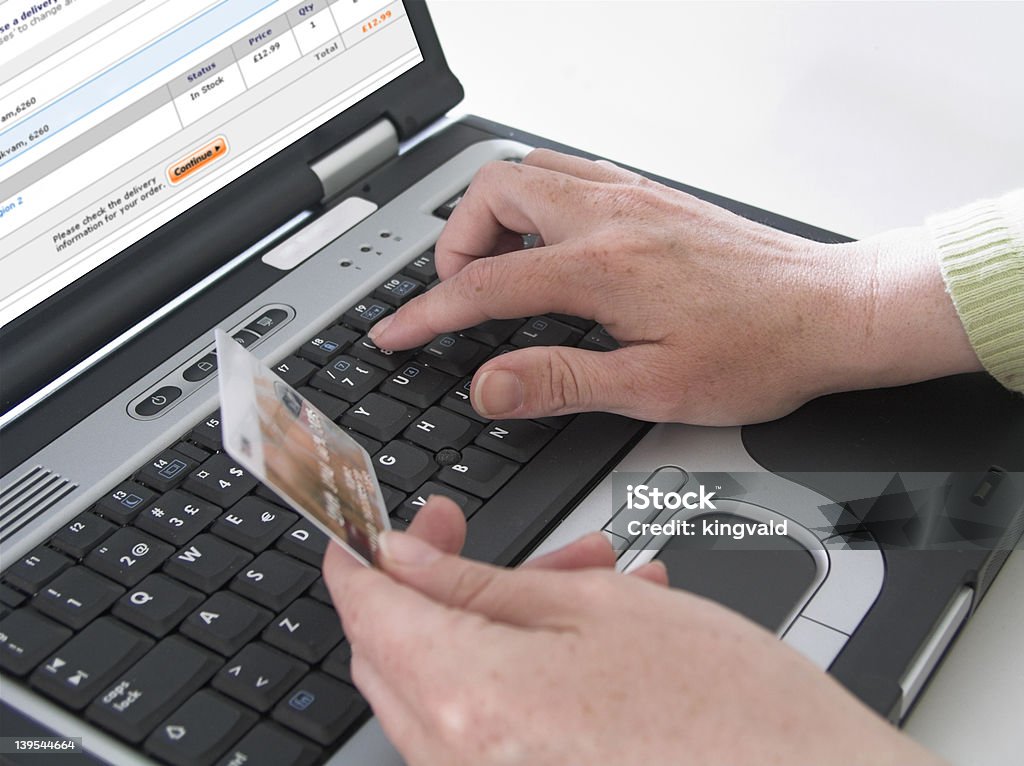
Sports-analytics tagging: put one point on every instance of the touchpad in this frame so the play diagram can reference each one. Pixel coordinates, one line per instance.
(757, 577)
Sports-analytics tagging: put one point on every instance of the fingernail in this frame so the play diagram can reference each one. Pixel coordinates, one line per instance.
(407, 550)
(496, 393)
(378, 330)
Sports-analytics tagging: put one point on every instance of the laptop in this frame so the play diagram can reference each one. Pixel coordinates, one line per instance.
(281, 171)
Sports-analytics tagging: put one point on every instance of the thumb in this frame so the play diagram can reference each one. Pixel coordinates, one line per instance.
(556, 380)
(533, 598)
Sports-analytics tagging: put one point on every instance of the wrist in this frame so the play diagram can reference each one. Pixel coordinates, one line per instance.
(902, 326)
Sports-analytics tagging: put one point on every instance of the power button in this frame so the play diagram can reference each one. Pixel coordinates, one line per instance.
(157, 401)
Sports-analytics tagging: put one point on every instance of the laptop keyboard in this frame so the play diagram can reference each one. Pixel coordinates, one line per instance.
(185, 613)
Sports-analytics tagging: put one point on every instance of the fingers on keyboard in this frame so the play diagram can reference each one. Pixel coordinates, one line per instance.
(184, 610)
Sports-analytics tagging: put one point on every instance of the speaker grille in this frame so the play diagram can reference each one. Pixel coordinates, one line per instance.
(29, 497)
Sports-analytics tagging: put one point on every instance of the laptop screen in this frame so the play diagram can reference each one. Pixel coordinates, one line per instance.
(118, 115)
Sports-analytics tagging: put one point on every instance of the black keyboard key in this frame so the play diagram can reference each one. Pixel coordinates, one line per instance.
(386, 360)
(157, 604)
(448, 207)
(392, 497)
(26, 638)
(177, 517)
(82, 535)
(220, 480)
(438, 429)
(558, 422)
(143, 695)
(307, 629)
(36, 568)
(87, 663)
(305, 542)
(453, 354)
(378, 416)
(403, 465)
(407, 511)
(504, 348)
(259, 675)
(11, 597)
(273, 580)
(348, 378)
(124, 503)
(578, 322)
(253, 523)
(598, 339)
(128, 555)
(198, 732)
(225, 622)
(294, 371)
(320, 708)
(330, 406)
(542, 331)
(517, 440)
(366, 314)
(339, 662)
(479, 473)
(493, 332)
(266, 493)
(399, 290)
(458, 401)
(422, 268)
(207, 434)
(191, 451)
(207, 562)
(364, 441)
(565, 468)
(318, 590)
(270, 745)
(418, 385)
(327, 345)
(164, 472)
(77, 596)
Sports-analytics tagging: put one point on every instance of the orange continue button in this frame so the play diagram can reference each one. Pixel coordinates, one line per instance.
(193, 162)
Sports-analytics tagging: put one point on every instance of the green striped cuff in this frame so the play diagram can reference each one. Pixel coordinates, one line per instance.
(981, 252)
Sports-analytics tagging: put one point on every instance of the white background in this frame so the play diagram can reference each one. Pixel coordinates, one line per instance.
(857, 117)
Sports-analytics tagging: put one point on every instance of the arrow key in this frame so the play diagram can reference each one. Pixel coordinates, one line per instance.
(198, 732)
(259, 675)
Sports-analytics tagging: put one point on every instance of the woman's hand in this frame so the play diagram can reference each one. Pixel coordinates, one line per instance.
(722, 320)
(568, 662)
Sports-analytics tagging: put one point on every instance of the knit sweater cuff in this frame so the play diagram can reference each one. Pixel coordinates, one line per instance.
(981, 252)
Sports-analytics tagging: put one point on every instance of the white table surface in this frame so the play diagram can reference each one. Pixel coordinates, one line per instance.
(857, 117)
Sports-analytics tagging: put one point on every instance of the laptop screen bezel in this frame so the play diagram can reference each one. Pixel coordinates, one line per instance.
(116, 295)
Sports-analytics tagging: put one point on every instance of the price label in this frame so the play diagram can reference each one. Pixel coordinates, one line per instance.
(371, 24)
(270, 58)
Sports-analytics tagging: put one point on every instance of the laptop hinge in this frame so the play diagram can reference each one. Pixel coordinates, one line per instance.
(358, 156)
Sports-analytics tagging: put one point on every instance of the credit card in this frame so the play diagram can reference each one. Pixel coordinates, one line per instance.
(271, 430)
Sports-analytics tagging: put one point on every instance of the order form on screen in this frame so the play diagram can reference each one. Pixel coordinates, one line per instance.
(117, 115)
